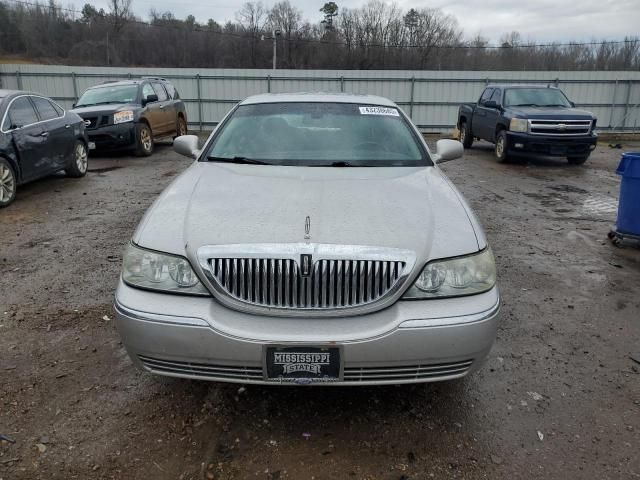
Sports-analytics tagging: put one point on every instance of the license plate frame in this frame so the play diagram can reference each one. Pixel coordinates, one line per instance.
(303, 364)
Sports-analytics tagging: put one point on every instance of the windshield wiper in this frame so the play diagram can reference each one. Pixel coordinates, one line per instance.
(236, 159)
(525, 105)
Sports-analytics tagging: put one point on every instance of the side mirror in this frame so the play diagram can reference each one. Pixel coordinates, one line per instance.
(573, 104)
(151, 98)
(490, 104)
(73, 105)
(447, 150)
(187, 145)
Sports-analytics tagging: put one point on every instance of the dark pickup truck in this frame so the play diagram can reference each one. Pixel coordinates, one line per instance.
(526, 119)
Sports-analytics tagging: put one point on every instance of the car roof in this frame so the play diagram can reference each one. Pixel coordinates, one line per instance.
(319, 97)
(11, 93)
(519, 85)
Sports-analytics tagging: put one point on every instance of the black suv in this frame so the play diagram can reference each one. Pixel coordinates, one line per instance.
(131, 114)
(529, 119)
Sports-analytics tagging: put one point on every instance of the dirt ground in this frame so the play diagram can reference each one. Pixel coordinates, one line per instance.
(559, 396)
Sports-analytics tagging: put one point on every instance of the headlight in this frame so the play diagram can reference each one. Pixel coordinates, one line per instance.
(518, 125)
(160, 271)
(121, 117)
(455, 277)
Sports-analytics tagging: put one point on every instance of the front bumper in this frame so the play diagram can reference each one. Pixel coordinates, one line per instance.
(113, 137)
(409, 342)
(550, 145)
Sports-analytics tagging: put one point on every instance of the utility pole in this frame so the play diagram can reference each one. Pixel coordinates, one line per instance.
(275, 34)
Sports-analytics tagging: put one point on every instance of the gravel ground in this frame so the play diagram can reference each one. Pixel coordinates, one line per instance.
(559, 396)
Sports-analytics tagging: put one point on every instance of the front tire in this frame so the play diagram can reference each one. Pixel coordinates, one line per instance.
(578, 160)
(501, 147)
(8, 183)
(79, 161)
(144, 140)
(466, 136)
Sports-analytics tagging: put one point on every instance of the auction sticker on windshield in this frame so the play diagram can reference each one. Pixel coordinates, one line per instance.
(379, 111)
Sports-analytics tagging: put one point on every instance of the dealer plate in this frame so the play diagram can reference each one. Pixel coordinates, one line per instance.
(303, 364)
(92, 145)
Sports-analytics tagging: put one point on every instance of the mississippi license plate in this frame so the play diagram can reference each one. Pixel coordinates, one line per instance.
(303, 364)
(92, 145)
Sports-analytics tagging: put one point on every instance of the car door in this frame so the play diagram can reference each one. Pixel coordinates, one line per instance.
(59, 132)
(154, 114)
(166, 105)
(480, 126)
(491, 118)
(30, 139)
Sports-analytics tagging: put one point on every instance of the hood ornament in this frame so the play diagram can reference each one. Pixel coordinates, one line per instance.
(307, 228)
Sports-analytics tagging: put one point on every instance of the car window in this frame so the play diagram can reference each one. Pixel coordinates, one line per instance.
(535, 97)
(6, 124)
(147, 90)
(58, 109)
(22, 113)
(44, 108)
(496, 97)
(160, 91)
(108, 94)
(171, 90)
(315, 134)
(486, 95)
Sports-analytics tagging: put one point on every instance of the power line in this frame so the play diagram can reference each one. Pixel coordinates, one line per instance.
(197, 28)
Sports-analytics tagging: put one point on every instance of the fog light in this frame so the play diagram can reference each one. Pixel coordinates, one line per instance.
(519, 145)
(592, 147)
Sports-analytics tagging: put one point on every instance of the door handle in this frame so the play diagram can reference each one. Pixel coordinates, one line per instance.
(67, 126)
(44, 134)
(161, 106)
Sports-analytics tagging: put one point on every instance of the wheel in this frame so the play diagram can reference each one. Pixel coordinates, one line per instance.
(144, 140)
(578, 160)
(465, 137)
(501, 146)
(181, 127)
(8, 183)
(79, 161)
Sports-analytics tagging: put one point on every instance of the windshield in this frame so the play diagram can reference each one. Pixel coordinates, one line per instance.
(535, 97)
(109, 94)
(318, 134)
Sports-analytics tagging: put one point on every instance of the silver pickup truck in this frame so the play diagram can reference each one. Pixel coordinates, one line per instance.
(314, 240)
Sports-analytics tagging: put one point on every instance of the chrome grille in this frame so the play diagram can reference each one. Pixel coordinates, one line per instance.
(279, 283)
(559, 127)
(201, 370)
(403, 373)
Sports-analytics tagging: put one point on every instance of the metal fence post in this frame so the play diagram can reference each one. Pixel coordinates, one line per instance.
(75, 86)
(342, 84)
(199, 101)
(613, 104)
(268, 83)
(19, 79)
(413, 86)
(626, 103)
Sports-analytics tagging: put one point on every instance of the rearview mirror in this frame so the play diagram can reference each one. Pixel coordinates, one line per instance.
(446, 150)
(187, 145)
(151, 98)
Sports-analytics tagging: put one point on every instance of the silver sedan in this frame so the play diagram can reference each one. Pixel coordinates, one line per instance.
(314, 240)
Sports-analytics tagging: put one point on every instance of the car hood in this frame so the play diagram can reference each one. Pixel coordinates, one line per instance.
(101, 109)
(215, 204)
(552, 112)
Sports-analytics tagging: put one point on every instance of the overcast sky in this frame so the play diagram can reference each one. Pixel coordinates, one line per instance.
(539, 20)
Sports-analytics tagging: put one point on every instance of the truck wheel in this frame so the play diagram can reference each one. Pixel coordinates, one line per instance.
(8, 183)
(79, 161)
(466, 137)
(501, 146)
(578, 160)
(144, 140)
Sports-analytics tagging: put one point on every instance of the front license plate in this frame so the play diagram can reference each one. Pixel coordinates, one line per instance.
(92, 145)
(303, 364)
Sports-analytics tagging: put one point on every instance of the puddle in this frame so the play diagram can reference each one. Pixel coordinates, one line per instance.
(600, 204)
(567, 189)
